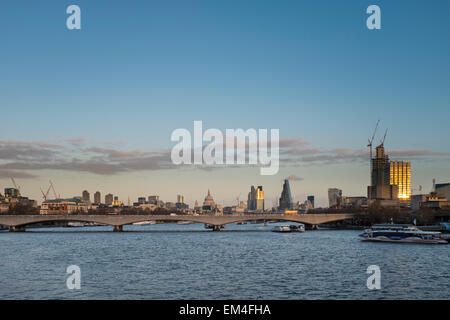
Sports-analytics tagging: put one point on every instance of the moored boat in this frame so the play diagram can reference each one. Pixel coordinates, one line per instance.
(291, 228)
(143, 223)
(185, 222)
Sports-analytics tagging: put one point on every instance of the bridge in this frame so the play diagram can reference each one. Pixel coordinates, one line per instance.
(19, 222)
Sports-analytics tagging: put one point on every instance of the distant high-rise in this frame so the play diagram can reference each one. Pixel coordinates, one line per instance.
(153, 199)
(141, 200)
(400, 175)
(86, 196)
(180, 199)
(109, 199)
(256, 199)
(334, 197)
(97, 197)
(311, 200)
(286, 197)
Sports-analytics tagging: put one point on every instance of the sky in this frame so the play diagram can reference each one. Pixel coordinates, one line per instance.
(95, 108)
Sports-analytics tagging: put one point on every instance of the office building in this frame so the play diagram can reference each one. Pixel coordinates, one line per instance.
(442, 190)
(12, 193)
(354, 202)
(64, 206)
(180, 202)
(311, 200)
(256, 199)
(400, 175)
(109, 199)
(97, 197)
(86, 196)
(153, 199)
(286, 202)
(334, 197)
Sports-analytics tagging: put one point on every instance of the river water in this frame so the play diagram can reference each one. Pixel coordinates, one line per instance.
(169, 261)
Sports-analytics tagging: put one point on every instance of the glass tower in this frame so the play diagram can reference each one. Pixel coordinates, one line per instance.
(400, 175)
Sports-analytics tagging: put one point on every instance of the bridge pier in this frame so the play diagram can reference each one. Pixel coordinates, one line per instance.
(311, 227)
(216, 228)
(118, 229)
(17, 229)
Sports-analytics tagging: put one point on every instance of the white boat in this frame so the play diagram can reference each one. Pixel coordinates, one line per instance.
(76, 224)
(401, 233)
(291, 228)
(143, 223)
(184, 222)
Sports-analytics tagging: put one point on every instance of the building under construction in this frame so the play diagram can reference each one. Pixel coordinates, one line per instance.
(381, 187)
(390, 180)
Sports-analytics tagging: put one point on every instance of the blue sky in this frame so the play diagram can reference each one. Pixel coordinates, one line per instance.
(137, 70)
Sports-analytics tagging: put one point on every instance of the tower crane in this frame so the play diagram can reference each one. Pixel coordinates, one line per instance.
(53, 188)
(384, 138)
(371, 139)
(15, 185)
(45, 195)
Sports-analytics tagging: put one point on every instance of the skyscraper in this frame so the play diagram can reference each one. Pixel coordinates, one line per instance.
(86, 196)
(311, 200)
(286, 197)
(180, 198)
(256, 199)
(97, 197)
(109, 199)
(400, 175)
(334, 197)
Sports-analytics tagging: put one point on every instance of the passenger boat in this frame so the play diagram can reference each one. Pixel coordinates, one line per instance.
(291, 228)
(211, 226)
(401, 233)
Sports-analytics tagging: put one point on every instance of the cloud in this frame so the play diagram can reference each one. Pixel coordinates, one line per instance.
(293, 142)
(34, 156)
(19, 158)
(416, 153)
(5, 173)
(293, 177)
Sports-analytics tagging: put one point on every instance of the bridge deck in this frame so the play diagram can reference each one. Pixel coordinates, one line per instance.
(120, 220)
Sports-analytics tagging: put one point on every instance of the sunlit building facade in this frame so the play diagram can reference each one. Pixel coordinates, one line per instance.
(256, 199)
(400, 175)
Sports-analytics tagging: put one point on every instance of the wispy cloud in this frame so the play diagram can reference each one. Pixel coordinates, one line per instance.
(294, 177)
(6, 173)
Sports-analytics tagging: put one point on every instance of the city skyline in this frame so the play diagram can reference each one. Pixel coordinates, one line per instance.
(94, 109)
